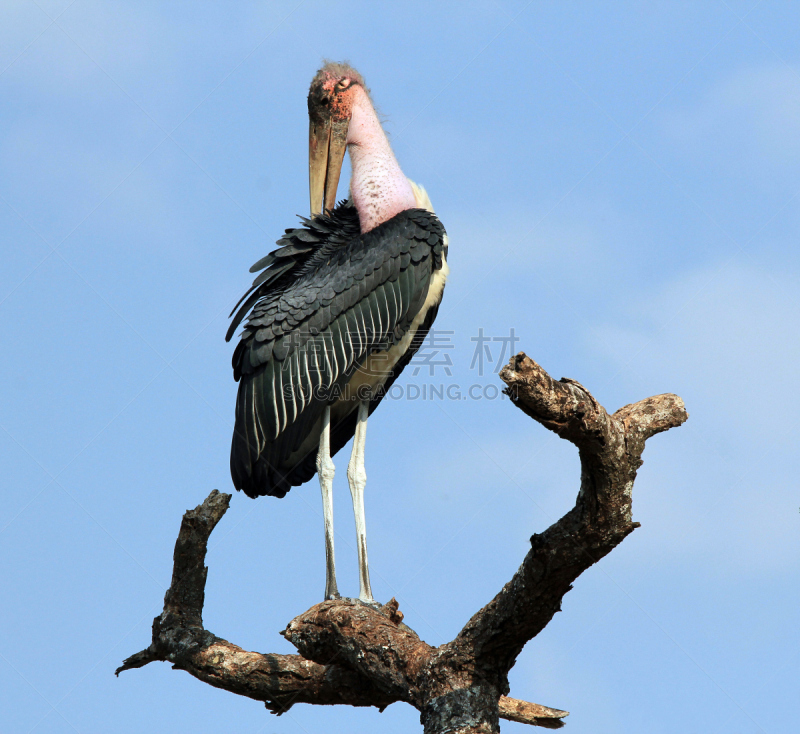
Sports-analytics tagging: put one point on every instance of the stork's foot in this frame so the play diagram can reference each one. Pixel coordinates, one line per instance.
(371, 603)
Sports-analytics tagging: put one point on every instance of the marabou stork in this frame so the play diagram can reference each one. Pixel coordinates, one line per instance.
(337, 312)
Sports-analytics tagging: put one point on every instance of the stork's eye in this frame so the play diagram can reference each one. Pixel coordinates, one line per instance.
(343, 84)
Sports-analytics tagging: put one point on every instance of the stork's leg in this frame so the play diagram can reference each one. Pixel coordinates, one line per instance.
(325, 469)
(357, 478)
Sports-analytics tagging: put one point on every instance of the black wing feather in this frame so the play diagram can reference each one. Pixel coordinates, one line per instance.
(326, 299)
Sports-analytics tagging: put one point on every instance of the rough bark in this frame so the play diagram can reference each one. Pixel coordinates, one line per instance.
(353, 653)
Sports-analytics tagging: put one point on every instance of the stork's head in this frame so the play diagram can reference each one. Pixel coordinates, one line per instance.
(333, 93)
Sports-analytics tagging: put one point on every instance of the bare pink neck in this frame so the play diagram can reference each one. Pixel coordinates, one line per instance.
(379, 188)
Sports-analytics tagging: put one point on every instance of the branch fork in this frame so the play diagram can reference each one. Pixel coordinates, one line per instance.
(357, 654)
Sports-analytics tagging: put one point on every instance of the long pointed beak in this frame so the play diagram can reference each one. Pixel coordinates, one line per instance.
(327, 144)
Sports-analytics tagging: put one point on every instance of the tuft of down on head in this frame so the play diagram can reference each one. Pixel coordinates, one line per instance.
(332, 91)
(336, 71)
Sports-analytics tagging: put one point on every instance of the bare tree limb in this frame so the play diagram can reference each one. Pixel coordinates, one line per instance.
(284, 680)
(523, 712)
(356, 654)
(610, 448)
(389, 653)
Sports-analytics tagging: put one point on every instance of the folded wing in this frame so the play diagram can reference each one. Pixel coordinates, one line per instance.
(326, 300)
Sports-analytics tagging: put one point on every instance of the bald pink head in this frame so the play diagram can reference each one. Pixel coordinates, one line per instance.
(332, 91)
(339, 99)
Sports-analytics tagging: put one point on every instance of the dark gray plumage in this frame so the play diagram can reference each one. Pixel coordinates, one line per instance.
(327, 299)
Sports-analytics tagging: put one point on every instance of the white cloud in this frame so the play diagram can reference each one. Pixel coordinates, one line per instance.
(726, 339)
(728, 331)
(756, 110)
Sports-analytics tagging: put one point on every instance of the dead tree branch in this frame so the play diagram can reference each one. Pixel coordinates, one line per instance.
(352, 653)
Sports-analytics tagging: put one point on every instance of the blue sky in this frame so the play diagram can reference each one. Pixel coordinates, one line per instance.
(620, 186)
